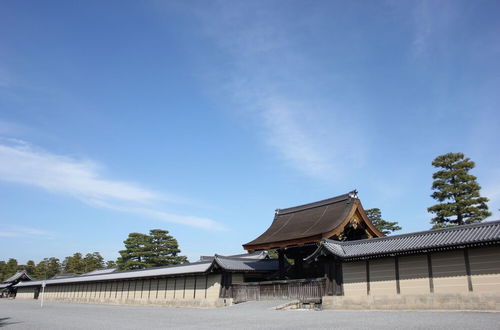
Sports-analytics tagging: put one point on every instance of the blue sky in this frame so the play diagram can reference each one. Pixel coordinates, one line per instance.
(203, 117)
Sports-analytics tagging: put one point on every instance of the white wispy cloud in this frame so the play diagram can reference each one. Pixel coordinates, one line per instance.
(193, 221)
(22, 231)
(279, 86)
(21, 163)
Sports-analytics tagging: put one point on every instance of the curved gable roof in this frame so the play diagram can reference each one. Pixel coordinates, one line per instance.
(306, 223)
(21, 275)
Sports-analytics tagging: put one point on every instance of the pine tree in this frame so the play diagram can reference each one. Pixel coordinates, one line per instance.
(74, 264)
(3, 271)
(457, 192)
(30, 267)
(11, 267)
(93, 261)
(110, 264)
(136, 252)
(47, 268)
(386, 227)
(165, 249)
(153, 250)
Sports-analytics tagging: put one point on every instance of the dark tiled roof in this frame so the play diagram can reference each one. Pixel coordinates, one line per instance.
(306, 220)
(102, 271)
(247, 265)
(257, 255)
(19, 276)
(202, 267)
(466, 235)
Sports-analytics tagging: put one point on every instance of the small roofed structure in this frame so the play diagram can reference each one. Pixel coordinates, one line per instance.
(7, 288)
(340, 218)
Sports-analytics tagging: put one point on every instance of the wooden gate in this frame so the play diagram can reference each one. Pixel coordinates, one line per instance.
(303, 290)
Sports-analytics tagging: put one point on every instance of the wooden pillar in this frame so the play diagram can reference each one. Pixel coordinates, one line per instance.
(226, 282)
(367, 277)
(339, 278)
(467, 269)
(396, 266)
(329, 275)
(281, 258)
(334, 277)
(298, 265)
(431, 276)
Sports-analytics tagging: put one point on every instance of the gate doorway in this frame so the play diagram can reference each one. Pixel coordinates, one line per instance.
(304, 290)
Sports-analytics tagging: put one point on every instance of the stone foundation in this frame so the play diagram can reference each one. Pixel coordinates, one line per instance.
(468, 301)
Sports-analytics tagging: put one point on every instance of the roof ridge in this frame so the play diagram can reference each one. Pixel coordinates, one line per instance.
(417, 233)
(323, 202)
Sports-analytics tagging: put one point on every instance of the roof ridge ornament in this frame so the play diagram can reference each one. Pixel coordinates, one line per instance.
(353, 194)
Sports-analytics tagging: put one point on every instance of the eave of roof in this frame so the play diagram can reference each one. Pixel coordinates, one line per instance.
(183, 269)
(431, 240)
(257, 255)
(203, 267)
(17, 276)
(246, 265)
(305, 223)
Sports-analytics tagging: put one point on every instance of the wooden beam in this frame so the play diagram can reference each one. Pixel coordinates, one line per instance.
(396, 266)
(339, 278)
(281, 261)
(429, 268)
(467, 269)
(368, 277)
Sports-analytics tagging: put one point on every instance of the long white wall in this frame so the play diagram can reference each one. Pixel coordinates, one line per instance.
(459, 279)
(194, 291)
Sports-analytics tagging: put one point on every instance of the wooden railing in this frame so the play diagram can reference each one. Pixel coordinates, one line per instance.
(303, 290)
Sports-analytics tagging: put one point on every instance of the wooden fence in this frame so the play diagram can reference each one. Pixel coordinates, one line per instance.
(303, 290)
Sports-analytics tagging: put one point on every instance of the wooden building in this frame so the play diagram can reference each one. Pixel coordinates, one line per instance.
(337, 259)
(7, 287)
(296, 231)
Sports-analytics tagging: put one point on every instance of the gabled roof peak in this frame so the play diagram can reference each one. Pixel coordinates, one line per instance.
(332, 200)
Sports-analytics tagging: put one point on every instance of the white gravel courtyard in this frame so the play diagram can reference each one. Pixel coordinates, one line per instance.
(16, 314)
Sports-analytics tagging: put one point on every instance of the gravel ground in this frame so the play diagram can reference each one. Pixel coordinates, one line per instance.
(18, 314)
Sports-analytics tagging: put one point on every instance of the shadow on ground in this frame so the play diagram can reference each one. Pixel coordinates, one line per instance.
(4, 321)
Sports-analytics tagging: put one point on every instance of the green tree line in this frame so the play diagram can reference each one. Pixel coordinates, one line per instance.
(155, 249)
(50, 267)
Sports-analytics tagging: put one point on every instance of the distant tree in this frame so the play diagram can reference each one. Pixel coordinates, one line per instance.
(136, 252)
(47, 268)
(164, 249)
(457, 192)
(11, 267)
(110, 264)
(41, 270)
(53, 267)
(3, 270)
(93, 261)
(74, 264)
(386, 227)
(29, 267)
(153, 250)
